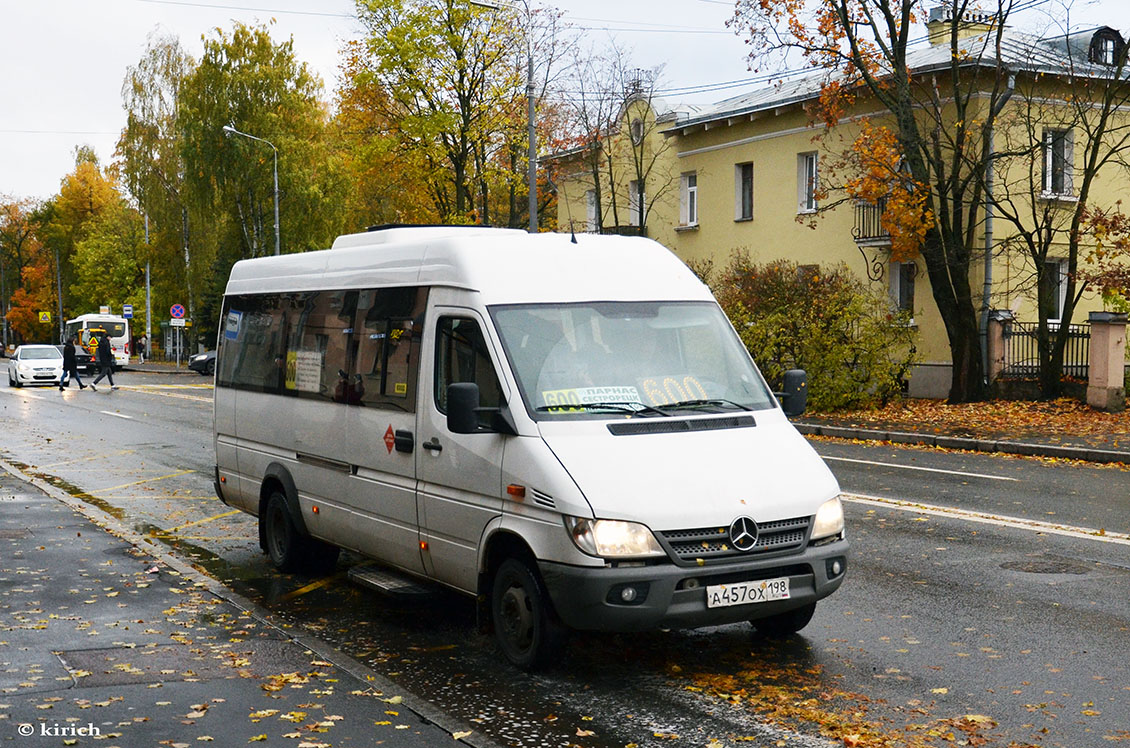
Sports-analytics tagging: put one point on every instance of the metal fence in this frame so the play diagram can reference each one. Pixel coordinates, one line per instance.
(1022, 351)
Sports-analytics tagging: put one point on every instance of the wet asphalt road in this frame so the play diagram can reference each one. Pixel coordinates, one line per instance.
(948, 625)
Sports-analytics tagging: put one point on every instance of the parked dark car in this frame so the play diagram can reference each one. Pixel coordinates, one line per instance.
(204, 363)
(83, 360)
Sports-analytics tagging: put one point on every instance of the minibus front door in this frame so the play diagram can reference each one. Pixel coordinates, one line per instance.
(459, 475)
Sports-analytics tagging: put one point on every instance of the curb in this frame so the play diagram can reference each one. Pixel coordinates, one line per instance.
(424, 709)
(989, 446)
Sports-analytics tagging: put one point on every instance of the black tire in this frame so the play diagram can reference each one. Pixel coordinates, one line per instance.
(785, 624)
(285, 544)
(525, 625)
(15, 382)
(210, 369)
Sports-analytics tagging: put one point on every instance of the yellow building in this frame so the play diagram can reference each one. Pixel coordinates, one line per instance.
(754, 174)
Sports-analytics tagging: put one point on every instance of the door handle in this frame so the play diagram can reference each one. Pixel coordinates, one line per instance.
(403, 441)
(433, 445)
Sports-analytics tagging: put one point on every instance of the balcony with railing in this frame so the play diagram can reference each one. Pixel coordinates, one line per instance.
(868, 227)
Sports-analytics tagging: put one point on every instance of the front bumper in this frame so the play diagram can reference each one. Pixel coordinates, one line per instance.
(670, 596)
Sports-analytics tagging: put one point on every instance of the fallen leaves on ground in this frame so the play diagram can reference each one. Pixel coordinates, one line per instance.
(1061, 420)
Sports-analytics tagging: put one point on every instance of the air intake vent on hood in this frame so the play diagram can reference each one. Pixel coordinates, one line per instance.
(678, 426)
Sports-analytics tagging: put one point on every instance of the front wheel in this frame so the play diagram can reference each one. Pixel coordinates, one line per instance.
(525, 625)
(785, 624)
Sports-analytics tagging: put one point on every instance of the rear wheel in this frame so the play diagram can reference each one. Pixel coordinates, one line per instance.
(525, 625)
(289, 549)
(785, 624)
(285, 545)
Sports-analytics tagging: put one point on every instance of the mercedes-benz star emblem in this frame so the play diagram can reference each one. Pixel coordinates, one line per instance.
(743, 534)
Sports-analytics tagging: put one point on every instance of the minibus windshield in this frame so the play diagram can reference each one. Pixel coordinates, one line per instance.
(640, 358)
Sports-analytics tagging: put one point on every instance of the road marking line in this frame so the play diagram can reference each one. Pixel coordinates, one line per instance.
(999, 520)
(139, 482)
(13, 391)
(116, 415)
(151, 390)
(85, 459)
(925, 469)
(308, 588)
(197, 522)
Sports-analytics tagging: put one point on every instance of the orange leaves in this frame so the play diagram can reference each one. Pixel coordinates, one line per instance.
(882, 179)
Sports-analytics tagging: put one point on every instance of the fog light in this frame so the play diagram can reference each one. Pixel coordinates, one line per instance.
(632, 593)
(837, 567)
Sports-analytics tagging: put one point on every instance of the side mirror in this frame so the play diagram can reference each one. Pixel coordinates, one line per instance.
(462, 400)
(794, 399)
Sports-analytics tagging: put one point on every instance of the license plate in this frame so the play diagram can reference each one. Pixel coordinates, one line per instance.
(744, 593)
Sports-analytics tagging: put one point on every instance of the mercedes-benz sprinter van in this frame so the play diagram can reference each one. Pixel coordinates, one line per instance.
(566, 429)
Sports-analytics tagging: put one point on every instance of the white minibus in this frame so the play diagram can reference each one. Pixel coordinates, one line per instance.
(567, 430)
(87, 325)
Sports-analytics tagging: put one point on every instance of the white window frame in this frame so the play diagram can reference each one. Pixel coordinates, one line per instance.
(590, 211)
(1058, 163)
(688, 199)
(1060, 287)
(740, 194)
(637, 202)
(808, 177)
(901, 286)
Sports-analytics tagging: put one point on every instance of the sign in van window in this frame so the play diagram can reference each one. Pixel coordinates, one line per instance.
(307, 372)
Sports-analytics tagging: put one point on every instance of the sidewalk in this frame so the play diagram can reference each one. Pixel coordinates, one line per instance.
(103, 644)
(1062, 429)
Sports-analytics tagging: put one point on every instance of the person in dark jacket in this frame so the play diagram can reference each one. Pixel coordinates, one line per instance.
(105, 358)
(70, 365)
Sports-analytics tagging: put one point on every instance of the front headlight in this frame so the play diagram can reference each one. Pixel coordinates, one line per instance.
(829, 519)
(611, 538)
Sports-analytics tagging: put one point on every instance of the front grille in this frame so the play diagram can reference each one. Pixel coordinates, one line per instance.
(712, 544)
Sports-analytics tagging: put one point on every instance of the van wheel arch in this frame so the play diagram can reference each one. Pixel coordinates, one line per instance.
(508, 556)
(316, 555)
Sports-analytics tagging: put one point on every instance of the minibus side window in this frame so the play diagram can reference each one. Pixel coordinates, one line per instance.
(387, 332)
(462, 356)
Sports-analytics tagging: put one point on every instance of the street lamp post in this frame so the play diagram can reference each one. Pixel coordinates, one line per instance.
(532, 154)
(232, 131)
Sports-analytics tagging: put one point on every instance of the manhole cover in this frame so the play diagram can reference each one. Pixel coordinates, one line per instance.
(1045, 566)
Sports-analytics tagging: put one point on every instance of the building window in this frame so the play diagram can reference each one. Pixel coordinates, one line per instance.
(902, 286)
(637, 202)
(1057, 162)
(806, 182)
(1053, 289)
(1106, 47)
(591, 223)
(688, 203)
(743, 192)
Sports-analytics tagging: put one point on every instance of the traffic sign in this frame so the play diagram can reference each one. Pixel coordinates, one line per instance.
(177, 311)
(176, 322)
(127, 311)
(45, 317)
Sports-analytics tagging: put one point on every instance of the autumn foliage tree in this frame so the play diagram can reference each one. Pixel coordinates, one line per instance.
(940, 119)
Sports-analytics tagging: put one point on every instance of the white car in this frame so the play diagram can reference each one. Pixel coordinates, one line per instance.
(35, 364)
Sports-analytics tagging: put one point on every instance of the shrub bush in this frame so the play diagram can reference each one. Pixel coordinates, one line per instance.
(856, 350)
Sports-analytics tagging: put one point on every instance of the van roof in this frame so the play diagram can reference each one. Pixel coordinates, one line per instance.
(507, 266)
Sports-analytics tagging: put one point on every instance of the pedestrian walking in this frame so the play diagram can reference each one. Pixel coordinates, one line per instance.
(70, 365)
(104, 355)
(142, 344)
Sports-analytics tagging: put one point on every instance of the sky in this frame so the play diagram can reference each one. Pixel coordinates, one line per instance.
(62, 62)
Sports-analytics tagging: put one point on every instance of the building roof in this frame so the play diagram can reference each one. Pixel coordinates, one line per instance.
(1020, 52)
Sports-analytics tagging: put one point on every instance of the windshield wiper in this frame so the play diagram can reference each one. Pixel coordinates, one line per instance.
(622, 407)
(711, 401)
